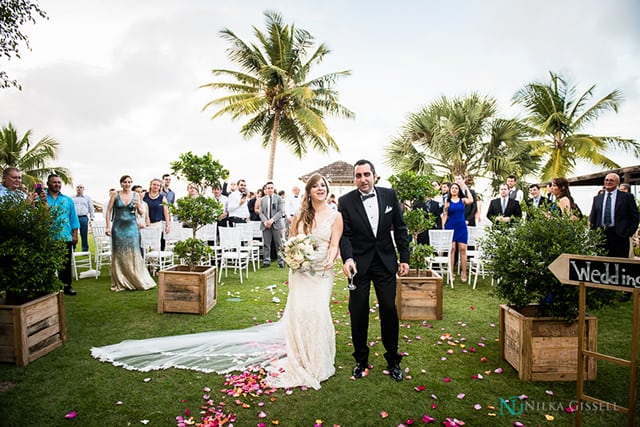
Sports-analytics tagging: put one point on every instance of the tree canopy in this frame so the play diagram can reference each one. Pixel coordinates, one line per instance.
(13, 15)
(274, 89)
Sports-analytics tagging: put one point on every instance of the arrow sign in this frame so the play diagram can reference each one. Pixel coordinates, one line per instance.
(620, 274)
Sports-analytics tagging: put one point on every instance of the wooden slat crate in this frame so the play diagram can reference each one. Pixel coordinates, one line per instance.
(184, 291)
(31, 330)
(419, 298)
(544, 348)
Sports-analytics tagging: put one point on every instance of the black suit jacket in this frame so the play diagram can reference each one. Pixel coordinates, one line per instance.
(434, 208)
(495, 209)
(358, 241)
(544, 202)
(625, 213)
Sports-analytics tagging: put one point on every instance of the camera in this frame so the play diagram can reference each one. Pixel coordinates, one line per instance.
(39, 189)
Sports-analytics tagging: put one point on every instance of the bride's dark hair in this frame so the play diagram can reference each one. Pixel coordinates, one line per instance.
(307, 213)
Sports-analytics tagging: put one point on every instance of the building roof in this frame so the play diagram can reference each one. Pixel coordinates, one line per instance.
(337, 173)
(629, 174)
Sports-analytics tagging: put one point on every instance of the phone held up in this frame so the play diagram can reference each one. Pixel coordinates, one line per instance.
(39, 189)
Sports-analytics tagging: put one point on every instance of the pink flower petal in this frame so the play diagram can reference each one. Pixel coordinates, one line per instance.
(71, 415)
(460, 396)
(447, 380)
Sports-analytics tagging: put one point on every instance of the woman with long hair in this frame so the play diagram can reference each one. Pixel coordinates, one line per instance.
(128, 271)
(298, 350)
(453, 219)
(563, 200)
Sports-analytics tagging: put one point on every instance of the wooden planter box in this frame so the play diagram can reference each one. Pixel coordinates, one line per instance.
(419, 297)
(31, 330)
(184, 291)
(545, 348)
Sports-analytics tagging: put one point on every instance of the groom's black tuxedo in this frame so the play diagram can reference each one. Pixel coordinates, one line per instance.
(359, 242)
(376, 261)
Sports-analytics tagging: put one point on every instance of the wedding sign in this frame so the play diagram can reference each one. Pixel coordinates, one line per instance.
(621, 274)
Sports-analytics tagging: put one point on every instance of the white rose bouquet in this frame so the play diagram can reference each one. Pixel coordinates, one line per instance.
(299, 253)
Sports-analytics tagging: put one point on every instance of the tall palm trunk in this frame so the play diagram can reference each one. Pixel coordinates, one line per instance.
(272, 144)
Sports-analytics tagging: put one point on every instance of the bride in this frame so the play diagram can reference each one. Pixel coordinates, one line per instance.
(298, 350)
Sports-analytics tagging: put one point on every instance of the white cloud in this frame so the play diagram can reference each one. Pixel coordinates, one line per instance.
(117, 82)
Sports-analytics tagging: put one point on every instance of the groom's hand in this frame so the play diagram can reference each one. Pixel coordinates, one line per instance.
(349, 268)
(403, 269)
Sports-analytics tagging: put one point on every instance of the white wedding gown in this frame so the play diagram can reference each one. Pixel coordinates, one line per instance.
(298, 350)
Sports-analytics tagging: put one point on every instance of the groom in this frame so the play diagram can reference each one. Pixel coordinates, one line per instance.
(370, 214)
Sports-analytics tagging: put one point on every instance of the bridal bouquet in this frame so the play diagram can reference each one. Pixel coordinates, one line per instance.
(299, 253)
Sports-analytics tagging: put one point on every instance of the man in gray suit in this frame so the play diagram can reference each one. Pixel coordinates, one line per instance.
(271, 223)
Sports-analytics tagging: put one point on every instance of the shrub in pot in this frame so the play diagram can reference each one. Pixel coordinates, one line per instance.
(30, 255)
(518, 255)
(32, 315)
(537, 328)
(411, 189)
(195, 212)
(419, 294)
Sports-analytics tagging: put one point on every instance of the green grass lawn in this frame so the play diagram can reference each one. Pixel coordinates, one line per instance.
(460, 377)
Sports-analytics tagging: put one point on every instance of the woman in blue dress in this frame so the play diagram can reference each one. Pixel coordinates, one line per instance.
(128, 270)
(453, 219)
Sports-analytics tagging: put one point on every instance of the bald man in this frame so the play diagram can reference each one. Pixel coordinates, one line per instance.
(617, 214)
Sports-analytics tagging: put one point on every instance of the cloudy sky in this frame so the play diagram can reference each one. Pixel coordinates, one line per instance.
(116, 83)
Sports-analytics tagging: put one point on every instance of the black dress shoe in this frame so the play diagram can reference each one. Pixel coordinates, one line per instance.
(266, 265)
(281, 264)
(359, 370)
(395, 372)
(69, 291)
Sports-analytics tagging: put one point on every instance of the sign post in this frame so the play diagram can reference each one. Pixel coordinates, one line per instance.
(616, 274)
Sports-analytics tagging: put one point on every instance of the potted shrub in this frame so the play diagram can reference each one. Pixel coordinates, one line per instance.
(31, 305)
(191, 288)
(419, 294)
(538, 332)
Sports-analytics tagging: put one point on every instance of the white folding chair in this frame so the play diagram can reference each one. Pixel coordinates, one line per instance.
(209, 233)
(103, 246)
(155, 258)
(473, 233)
(441, 240)
(82, 260)
(176, 233)
(246, 237)
(257, 239)
(231, 254)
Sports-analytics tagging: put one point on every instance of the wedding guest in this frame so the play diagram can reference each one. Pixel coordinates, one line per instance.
(158, 210)
(64, 210)
(143, 218)
(254, 205)
(86, 214)
(271, 210)
(128, 270)
(167, 192)
(453, 219)
(12, 183)
(616, 213)
(237, 204)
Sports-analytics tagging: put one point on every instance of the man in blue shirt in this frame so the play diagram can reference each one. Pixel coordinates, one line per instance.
(64, 212)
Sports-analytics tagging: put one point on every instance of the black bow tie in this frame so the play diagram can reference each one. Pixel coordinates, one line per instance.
(367, 196)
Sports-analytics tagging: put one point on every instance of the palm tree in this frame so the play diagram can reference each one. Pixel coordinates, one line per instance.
(462, 135)
(32, 160)
(557, 115)
(273, 91)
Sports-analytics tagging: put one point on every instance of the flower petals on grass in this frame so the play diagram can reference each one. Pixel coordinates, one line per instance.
(70, 415)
